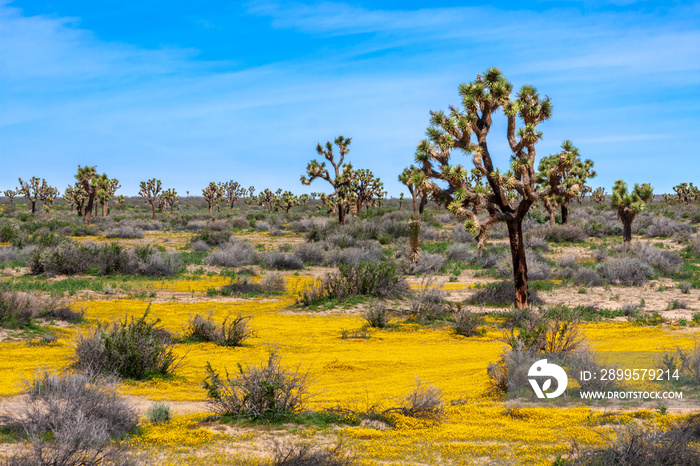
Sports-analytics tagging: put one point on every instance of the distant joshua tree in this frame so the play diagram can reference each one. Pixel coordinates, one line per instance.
(149, 191)
(367, 189)
(232, 192)
(120, 202)
(598, 195)
(401, 196)
(286, 201)
(170, 198)
(212, 194)
(268, 199)
(629, 205)
(30, 190)
(504, 196)
(686, 192)
(417, 185)
(10, 194)
(87, 184)
(571, 181)
(342, 179)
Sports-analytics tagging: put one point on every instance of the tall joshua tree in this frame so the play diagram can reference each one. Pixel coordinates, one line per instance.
(232, 192)
(212, 194)
(170, 198)
(343, 174)
(572, 181)
(628, 205)
(149, 191)
(504, 197)
(418, 186)
(87, 183)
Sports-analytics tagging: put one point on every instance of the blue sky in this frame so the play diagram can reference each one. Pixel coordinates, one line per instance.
(193, 92)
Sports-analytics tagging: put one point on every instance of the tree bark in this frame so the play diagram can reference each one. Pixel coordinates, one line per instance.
(564, 212)
(88, 210)
(517, 249)
(341, 213)
(423, 202)
(33, 206)
(153, 208)
(626, 217)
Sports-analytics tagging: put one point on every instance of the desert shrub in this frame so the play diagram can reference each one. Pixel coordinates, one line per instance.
(365, 251)
(500, 294)
(126, 231)
(425, 402)
(133, 349)
(663, 260)
(231, 332)
(239, 222)
(461, 235)
(158, 413)
(17, 310)
(568, 261)
(161, 265)
(376, 316)
(625, 271)
(466, 323)
(311, 253)
(71, 420)
(234, 253)
(272, 283)
(645, 446)
(213, 237)
(200, 246)
(603, 224)
(567, 233)
(55, 309)
(341, 240)
(685, 361)
(10, 254)
(428, 303)
(664, 226)
(599, 255)
(269, 391)
(427, 263)
(305, 454)
(537, 243)
(587, 277)
(460, 252)
(305, 225)
(282, 261)
(548, 332)
(377, 279)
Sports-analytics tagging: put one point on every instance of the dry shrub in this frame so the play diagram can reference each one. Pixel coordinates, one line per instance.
(429, 302)
(466, 323)
(306, 454)
(424, 402)
(625, 271)
(377, 316)
(231, 332)
(269, 391)
(72, 421)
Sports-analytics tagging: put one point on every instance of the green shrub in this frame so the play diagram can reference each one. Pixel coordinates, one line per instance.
(231, 332)
(158, 413)
(133, 349)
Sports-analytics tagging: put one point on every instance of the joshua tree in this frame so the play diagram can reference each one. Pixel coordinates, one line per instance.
(287, 200)
(212, 194)
(629, 205)
(232, 192)
(251, 199)
(598, 195)
(120, 202)
(367, 189)
(304, 198)
(268, 199)
(47, 195)
(149, 191)
(505, 197)
(106, 191)
(418, 186)
(686, 192)
(10, 194)
(400, 200)
(571, 181)
(30, 190)
(342, 180)
(87, 184)
(170, 198)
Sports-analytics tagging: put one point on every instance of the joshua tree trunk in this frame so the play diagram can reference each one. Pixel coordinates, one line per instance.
(423, 202)
(564, 212)
(88, 210)
(33, 206)
(517, 249)
(104, 208)
(415, 205)
(550, 208)
(153, 208)
(341, 213)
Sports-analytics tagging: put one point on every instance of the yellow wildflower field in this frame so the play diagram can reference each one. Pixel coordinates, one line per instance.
(357, 371)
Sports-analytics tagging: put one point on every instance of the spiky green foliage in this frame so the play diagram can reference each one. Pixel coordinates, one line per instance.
(268, 199)
(120, 202)
(418, 185)
(343, 196)
(571, 181)
(212, 194)
(630, 204)
(47, 195)
(149, 191)
(504, 196)
(598, 195)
